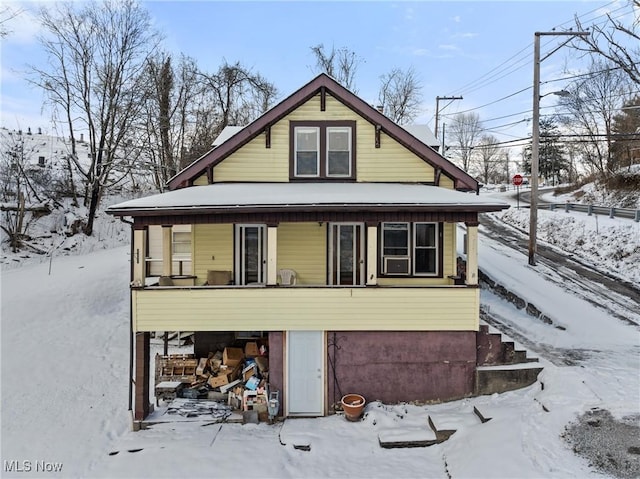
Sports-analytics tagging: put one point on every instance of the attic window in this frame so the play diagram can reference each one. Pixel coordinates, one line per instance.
(322, 150)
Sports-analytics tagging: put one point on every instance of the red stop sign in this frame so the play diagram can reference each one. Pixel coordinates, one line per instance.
(517, 180)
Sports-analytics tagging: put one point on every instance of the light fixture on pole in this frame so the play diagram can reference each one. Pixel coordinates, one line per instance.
(535, 133)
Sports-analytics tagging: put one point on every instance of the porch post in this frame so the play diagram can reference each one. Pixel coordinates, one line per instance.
(372, 254)
(272, 255)
(142, 406)
(167, 251)
(139, 255)
(472, 253)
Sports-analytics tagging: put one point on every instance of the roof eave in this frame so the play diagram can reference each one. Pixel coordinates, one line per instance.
(206, 210)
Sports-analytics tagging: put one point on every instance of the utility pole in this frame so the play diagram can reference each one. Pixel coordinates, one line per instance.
(535, 133)
(438, 98)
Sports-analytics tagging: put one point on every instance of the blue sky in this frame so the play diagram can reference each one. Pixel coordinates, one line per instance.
(480, 50)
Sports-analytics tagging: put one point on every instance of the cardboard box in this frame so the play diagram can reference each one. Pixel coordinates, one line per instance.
(219, 380)
(202, 367)
(225, 376)
(232, 356)
(249, 371)
(251, 350)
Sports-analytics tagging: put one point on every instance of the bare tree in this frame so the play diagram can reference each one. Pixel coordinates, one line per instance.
(172, 92)
(239, 95)
(341, 64)
(22, 191)
(96, 53)
(488, 162)
(400, 95)
(7, 13)
(590, 109)
(465, 130)
(617, 42)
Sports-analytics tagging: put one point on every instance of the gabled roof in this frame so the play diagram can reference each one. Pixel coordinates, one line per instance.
(462, 180)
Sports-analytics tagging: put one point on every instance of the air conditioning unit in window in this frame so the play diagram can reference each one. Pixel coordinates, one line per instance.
(396, 265)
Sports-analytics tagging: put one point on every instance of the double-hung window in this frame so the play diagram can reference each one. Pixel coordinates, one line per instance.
(339, 151)
(411, 249)
(181, 243)
(323, 149)
(307, 151)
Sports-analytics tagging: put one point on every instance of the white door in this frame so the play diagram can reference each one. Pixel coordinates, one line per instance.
(305, 373)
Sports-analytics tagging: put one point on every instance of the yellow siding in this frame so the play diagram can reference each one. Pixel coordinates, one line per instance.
(449, 249)
(255, 162)
(390, 162)
(213, 249)
(201, 180)
(299, 308)
(303, 248)
(446, 182)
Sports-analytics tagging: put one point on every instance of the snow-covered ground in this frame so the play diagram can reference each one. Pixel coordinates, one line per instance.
(64, 340)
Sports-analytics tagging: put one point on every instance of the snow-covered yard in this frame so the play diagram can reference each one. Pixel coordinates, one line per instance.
(64, 390)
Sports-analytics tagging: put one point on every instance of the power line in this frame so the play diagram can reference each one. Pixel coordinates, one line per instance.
(515, 62)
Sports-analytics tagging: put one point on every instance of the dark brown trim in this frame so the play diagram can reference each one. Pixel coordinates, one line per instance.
(472, 223)
(210, 175)
(322, 174)
(436, 178)
(426, 153)
(323, 98)
(377, 140)
(339, 215)
(267, 137)
(142, 370)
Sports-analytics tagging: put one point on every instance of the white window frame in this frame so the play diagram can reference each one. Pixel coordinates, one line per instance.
(349, 131)
(317, 150)
(411, 249)
(415, 248)
(396, 256)
(174, 242)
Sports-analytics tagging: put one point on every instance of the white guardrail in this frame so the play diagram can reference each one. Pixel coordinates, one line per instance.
(612, 212)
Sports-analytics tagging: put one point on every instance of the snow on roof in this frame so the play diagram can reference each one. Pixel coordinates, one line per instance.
(229, 195)
(423, 133)
(226, 133)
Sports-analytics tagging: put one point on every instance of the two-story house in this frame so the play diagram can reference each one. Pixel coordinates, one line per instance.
(331, 232)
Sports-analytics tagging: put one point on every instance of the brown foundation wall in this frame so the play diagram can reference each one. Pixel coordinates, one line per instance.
(401, 366)
(276, 364)
(142, 371)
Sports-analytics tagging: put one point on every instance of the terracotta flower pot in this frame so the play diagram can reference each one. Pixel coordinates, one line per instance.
(352, 405)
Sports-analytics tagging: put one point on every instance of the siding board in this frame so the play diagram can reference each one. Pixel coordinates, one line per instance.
(299, 308)
(390, 163)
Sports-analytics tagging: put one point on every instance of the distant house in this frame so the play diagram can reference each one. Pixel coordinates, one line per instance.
(329, 233)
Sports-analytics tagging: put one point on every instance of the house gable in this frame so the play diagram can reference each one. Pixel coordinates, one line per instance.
(390, 161)
(385, 151)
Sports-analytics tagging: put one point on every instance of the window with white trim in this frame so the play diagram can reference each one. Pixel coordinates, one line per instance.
(410, 249)
(181, 243)
(339, 151)
(307, 151)
(322, 149)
